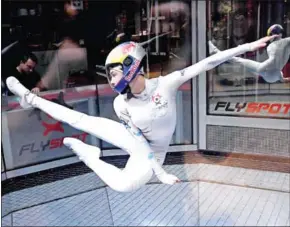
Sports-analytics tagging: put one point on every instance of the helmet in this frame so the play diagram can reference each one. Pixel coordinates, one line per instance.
(275, 29)
(127, 58)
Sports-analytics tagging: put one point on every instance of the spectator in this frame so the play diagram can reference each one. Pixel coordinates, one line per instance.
(25, 73)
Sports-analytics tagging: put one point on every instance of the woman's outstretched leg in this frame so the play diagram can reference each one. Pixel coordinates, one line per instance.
(136, 173)
(105, 129)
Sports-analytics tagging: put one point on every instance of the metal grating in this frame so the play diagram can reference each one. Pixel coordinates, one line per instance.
(184, 204)
(248, 140)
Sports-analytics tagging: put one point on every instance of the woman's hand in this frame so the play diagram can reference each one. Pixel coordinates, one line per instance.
(260, 43)
(35, 90)
(168, 179)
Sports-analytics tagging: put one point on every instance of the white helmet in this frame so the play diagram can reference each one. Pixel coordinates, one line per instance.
(275, 29)
(128, 57)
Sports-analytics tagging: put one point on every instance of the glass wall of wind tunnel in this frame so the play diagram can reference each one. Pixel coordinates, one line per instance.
(234, 89)
(250, 114)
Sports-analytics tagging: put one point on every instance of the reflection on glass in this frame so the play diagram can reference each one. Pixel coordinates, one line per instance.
(256, 83)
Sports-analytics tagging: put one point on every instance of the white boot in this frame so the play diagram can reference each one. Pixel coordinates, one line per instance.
(212, 48)
(18, 89)
(86, 153)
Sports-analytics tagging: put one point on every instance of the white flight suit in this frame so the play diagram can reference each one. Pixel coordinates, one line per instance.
(149, 118)
(271, 69)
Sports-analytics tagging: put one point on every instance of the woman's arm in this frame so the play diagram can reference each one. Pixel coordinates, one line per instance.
(176, 79)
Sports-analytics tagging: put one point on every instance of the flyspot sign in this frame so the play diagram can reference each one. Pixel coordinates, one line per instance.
(271, 109)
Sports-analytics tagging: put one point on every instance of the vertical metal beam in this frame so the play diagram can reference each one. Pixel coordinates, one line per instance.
(194, 83)
(202, 91)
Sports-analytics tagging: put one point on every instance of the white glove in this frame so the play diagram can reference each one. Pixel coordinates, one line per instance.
(168, 178)
(35, 90)
(261, 42)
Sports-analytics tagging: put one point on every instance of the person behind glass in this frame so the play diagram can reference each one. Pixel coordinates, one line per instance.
(278, 52)
(25, 73)
(70, 56)
(176, 24)
(146, 108)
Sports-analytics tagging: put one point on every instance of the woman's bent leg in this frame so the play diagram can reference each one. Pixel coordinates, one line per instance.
(136, 173)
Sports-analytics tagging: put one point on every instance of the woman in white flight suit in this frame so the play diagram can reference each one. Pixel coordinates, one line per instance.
(278, 55)
(146, 107)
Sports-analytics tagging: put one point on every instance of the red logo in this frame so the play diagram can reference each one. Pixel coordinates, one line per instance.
(48, 127)
(132, 70)
(255, 107)
(127, 48)
(156, 98)
(52, 127)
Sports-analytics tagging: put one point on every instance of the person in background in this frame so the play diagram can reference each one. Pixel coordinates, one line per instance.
(70, 57)
(278, 52)
(25, 73)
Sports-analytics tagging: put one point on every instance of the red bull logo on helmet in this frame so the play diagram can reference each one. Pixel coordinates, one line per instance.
(132, 70)
(128, 47)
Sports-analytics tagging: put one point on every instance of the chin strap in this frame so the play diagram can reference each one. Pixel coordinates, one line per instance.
(127, 92)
